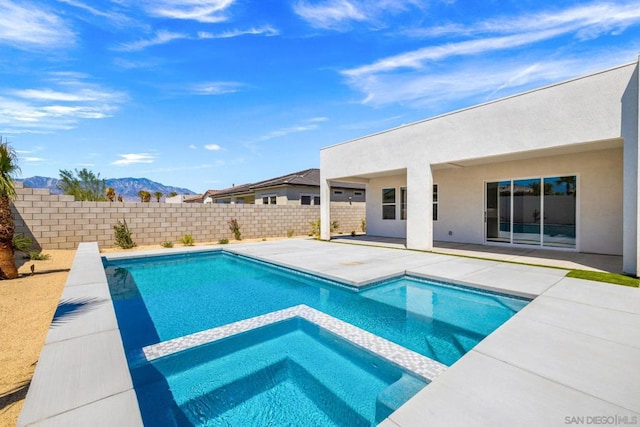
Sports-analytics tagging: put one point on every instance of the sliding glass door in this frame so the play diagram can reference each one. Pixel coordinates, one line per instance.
(526, 211)
(533, 211)
(498, 212)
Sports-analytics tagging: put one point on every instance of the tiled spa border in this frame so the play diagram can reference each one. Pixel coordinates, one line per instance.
(411, 361)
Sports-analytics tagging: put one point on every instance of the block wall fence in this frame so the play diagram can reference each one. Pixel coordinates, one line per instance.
(61, 222)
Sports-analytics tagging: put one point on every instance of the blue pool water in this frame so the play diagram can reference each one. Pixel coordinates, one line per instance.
(161, 298)
(249, 379)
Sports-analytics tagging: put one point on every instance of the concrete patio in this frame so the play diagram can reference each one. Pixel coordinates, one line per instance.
(528, 255)
(571, 354)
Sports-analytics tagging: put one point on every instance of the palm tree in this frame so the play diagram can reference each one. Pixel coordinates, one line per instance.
(158, 195)
(8, 167)
(144, 195)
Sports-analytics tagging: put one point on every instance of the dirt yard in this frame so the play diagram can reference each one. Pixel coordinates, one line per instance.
(27, 305)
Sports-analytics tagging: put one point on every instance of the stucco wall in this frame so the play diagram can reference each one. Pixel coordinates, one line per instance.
(462, 199)
(376, 226)
(60, 222)
(586, 113)
(581, 110)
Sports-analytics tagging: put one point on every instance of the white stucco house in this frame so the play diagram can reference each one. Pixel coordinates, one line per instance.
(555, 167)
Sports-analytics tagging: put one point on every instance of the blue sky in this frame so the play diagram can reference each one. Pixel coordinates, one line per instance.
(206, 93)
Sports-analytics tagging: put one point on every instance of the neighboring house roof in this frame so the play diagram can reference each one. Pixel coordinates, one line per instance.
(194, 199)
(199, 198)
(307, 177)
(233, 190)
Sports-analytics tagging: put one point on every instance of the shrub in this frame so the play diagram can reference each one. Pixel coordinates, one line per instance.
(167, 244)
(363, 225)
(235, 228)
(223, 241)
(290, 233)
(315, 228)
(22, 243)
(123, 235)
(353, 233)
(38, 256)
(187, 240)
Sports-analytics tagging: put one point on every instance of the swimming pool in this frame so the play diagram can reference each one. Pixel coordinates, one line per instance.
(162, 298)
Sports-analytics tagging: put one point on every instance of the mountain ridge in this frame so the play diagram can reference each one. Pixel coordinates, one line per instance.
(126, 187)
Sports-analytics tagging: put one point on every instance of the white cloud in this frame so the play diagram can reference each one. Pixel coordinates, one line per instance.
(340, 15)
(260, 31)
(451, 69)
(212, 147)
(32, 159)
(418, 58)
(215, 88)
(193, 147)
(27, 26)
(69, 99)
(331, 14)
(206, 11)
(318, 119)
(438, 92)
(309, 125)
(159, 38)
(134, 158)
(116, 18)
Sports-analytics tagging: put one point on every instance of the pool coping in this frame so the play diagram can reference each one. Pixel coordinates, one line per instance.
(414, 363)
(86, 349)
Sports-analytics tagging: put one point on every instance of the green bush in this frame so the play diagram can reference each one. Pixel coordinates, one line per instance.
(235, 228)
(167, 244)
(123, 235)
(315, 229)
(290, 233)
(21, 243)
(363, 225)
(187, 240)
(38, 256)
(223, 241)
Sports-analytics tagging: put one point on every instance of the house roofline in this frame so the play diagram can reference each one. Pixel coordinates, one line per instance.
(473, 107)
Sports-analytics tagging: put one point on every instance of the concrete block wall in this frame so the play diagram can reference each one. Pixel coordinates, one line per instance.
(60, 222)
(349, 217)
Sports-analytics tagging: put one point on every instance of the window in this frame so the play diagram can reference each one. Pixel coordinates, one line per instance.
(269, 200)
(305, 200)
(358, 193)
(337, 192)
(316, 200)
(435, 202)
(388, 203)
(403, 203)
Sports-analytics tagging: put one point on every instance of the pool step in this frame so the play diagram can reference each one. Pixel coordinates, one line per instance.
(247, 396)
(394, 396)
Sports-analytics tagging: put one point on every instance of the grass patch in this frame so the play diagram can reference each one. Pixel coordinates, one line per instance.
(598, 276)
(38, 256)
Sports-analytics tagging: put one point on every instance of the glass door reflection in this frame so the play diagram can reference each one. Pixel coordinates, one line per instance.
(526, 211)
(560, 211)
(498, 212)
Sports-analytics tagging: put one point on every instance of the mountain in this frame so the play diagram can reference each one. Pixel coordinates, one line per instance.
(126, 187)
